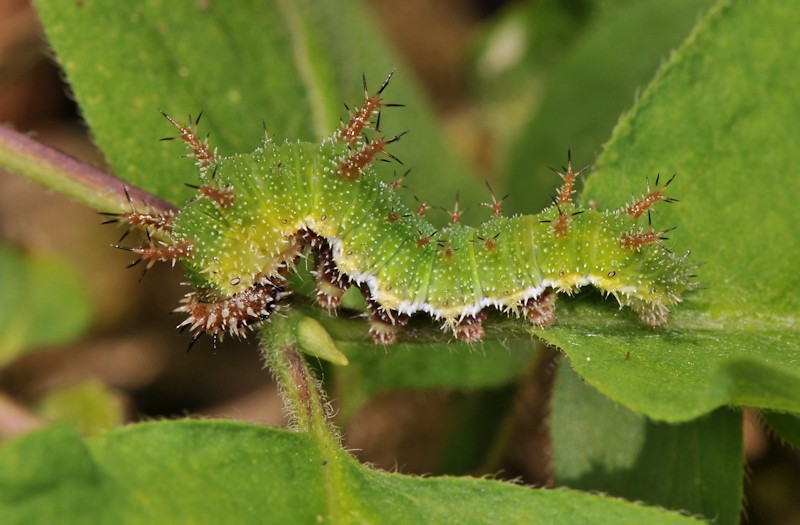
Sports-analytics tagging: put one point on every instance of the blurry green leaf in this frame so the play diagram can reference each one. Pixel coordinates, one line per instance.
(546, 29)
(514, 56)
(42, 302)
(374, 369)
(425, 357)
(787, 426)
(90, 405)
(598, 445)
(234, 473)
(48, 475)
(585, 93)
(711, 115)
(478, 430)
(288, 64)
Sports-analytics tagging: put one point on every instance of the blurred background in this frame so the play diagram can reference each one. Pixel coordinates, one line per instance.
(101, 348)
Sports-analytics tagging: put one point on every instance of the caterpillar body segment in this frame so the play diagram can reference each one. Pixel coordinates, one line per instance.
(258, 212)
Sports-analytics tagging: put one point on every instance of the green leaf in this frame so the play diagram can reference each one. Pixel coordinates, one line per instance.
(288, 64)
(711, 115)
(424, 358)
(38, 291)
(89, 404)
(598, 445)
(787, 426)
(590, 87)
(374, 369)
(48, 475)
(233, 473)
(514, 57)
(478, 431)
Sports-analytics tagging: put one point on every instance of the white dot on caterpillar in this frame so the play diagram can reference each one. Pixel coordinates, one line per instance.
(235, 281)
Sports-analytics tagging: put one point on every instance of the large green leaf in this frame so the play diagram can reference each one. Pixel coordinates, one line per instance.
(42, 302)
(216, 472)
(288, 64)
(611, 58)
(599, 445)
(724, 114)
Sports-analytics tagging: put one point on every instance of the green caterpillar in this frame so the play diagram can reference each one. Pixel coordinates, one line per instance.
(256, 213)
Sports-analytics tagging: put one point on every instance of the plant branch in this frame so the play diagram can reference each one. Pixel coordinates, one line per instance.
(305, 401)
(531, 404)
(301, 390)
(78, 180)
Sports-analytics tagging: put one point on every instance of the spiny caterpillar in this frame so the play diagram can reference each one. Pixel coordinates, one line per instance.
(256, 213)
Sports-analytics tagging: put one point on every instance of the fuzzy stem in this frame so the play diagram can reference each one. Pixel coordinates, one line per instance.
(300, 389)
(75, 179)
(305, 401)
(531, 403)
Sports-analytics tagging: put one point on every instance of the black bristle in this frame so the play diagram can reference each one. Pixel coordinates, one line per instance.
(194, 339)
(385, 83)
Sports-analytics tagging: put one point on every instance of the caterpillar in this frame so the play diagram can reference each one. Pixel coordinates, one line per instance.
(254, 214)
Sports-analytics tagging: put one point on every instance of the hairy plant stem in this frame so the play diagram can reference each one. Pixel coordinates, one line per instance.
(65, 174)
(300, 389)
(304, 399)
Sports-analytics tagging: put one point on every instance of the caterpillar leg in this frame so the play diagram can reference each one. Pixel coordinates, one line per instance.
(331, 284)
(470, 329)
(541, 310)
(231, 315)
(383, 324)
(651, 314)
